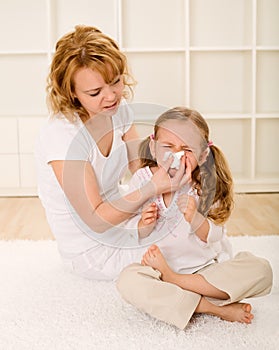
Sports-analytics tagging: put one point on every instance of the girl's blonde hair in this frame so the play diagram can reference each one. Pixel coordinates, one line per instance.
(85, 47)
(212, 179)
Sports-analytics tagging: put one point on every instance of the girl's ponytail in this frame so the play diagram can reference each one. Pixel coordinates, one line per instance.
(223, 199)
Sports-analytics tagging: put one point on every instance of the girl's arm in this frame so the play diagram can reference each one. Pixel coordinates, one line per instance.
(78, 181)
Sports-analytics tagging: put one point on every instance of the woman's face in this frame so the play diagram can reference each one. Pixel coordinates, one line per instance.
(95, 95)
(175, 136)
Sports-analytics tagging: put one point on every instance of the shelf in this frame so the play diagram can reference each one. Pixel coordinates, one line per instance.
(219, 57)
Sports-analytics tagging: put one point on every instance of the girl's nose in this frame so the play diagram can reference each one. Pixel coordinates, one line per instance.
(178, 149)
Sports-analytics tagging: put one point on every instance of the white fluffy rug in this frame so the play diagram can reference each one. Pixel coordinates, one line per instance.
(44, 307)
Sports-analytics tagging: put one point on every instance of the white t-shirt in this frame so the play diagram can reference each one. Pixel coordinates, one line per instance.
(60, 139)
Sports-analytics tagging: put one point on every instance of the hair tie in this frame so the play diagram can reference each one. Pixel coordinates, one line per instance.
(210, 143)
(151, 137)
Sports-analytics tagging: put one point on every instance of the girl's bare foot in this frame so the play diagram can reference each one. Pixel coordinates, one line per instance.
(236, 312)
(239, 312)
(154, 258)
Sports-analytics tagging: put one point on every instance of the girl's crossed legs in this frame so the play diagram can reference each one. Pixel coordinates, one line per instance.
(196, 283)
(216, 289)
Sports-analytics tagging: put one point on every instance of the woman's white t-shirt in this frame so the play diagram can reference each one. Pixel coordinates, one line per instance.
(61, 139)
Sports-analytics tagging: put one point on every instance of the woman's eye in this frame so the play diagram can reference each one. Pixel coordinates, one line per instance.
(187, 150)
(116, 81)
(95, 94)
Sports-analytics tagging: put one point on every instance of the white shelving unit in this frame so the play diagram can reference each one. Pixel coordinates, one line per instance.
(220, 57)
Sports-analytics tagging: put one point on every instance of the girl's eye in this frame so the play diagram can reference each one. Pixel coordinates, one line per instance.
(187, 150)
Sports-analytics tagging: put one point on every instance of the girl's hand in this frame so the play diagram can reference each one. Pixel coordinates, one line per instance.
(149, 214)
(199, 224)
(188, 206)
(148, 220)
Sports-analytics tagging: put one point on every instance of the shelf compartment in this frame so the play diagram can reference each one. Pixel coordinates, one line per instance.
(158, 76)
(10, 177)
(267, 22)
(219, 22)
(221, 82)
(234, 139)
(16, 98)
(267, 82)
(267, 146)
(23, 25)
(66, 14)
(141, 29)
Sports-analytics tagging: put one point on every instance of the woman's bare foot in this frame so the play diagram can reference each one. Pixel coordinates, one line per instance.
(236, 312)
(154, 258)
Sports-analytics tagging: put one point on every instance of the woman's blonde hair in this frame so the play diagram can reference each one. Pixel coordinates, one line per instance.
(84, 47)
(212, 179)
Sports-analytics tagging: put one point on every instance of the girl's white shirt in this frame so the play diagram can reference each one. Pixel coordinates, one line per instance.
(183, 250)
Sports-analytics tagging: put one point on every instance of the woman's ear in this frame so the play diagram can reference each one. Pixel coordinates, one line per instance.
(152, 148)
(203, 156)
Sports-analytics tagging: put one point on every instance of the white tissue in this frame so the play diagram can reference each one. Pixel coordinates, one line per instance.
(176, 161)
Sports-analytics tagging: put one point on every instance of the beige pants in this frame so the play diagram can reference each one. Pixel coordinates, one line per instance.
(242, 277)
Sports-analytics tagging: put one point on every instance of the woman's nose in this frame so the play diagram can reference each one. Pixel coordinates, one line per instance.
(109, 93)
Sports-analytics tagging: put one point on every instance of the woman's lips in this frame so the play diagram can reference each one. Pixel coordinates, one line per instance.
(112, 106)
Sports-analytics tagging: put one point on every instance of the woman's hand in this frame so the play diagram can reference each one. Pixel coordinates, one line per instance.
(164, 183)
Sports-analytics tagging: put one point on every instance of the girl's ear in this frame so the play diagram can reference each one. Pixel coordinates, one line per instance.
(203, 156)
(152, 148)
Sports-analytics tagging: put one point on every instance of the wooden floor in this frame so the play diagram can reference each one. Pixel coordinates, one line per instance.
(254, 214)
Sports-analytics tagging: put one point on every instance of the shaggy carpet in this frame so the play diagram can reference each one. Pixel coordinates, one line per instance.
(44, 307)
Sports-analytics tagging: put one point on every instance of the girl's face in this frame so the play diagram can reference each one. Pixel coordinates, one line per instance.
(175, 136)
(95, 95)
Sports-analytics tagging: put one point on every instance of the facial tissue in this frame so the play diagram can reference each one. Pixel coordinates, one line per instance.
(176, 161)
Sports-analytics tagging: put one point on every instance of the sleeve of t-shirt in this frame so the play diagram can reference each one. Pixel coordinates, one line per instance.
(131, 224)
(62, 140)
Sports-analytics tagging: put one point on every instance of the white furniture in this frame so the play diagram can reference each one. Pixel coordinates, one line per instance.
(220, 57)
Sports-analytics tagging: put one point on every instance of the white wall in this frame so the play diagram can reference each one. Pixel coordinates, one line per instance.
(218, 56)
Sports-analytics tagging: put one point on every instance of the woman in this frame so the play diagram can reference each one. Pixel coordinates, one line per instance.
(83, 151)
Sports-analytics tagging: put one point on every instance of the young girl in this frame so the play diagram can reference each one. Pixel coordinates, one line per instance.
(199, 263)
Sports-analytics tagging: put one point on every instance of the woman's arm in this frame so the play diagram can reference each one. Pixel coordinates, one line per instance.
(132, 140)
(78, 181)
